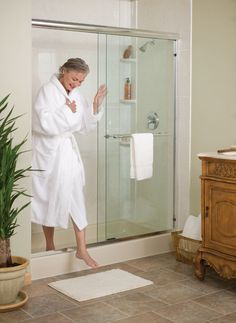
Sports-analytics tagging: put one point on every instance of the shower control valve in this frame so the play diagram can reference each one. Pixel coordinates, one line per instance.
(153, 120)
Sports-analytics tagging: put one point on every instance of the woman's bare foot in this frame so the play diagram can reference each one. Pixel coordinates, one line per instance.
(87, 259)
(50, 247)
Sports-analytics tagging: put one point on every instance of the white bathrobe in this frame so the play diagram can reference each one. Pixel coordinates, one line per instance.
(58, 186)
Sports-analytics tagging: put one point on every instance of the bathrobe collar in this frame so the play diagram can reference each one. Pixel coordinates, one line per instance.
(60, 87)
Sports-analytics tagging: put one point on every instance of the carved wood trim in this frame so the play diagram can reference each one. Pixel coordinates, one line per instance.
(223, 170)
(199, 266)
(224, 267)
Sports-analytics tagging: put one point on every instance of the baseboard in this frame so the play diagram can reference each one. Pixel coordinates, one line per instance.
(47, 265)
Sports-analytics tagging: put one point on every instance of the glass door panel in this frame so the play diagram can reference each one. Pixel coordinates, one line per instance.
(138, 207)
(50, 49)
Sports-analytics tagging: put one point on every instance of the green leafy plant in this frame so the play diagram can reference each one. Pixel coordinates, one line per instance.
(10, 176)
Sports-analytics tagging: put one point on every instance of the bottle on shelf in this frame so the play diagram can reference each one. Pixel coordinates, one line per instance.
(128, 52)
(127, 89)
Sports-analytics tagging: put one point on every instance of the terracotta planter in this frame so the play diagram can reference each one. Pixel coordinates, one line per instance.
(12, 280)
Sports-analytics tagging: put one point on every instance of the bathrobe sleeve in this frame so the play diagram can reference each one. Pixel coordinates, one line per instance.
(51, 116)
(90, 119)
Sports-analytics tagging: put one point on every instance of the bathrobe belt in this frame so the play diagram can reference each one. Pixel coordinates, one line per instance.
(76, 149)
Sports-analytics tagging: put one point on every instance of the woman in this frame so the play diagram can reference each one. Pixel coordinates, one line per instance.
(59, 111)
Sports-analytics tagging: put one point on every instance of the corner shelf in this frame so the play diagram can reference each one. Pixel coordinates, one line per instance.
(128, 60)
(128, 70)
(128, 101)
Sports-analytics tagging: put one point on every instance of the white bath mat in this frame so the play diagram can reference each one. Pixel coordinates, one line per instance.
(99, 284)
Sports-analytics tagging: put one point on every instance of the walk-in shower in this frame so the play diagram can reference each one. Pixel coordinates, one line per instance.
(117, 207)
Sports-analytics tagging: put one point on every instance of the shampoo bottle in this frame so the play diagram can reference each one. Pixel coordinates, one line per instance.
(127, 89)
(128, 52)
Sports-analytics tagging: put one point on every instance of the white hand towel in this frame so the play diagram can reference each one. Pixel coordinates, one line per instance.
(141, 156)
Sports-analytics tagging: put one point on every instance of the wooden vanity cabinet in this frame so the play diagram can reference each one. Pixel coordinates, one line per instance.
(218, 214)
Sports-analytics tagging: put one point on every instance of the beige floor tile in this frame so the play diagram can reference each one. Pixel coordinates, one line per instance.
(52, 318)
(135, 303)
(208, 285)
(223, 302)
(125, 266)
(230, 318)
(148, 317)
(47, 304)
(182, 268)
(39, 287)
(163, 276)
(146, 264)
(174, 293)
(154, 262)
(14, 316)
(167, 257)
(96, 313)
(187, 312)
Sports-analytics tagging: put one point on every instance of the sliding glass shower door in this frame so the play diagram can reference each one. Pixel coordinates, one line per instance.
(132, 208)
(117, 206)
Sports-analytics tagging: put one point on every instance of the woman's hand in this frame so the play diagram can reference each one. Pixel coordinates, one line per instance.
(71, 105)
(98, 99)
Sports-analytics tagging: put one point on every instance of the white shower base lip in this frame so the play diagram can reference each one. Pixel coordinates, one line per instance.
(72, 248)
(51, 253)
(48, 264)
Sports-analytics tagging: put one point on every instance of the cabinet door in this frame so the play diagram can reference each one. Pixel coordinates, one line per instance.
(220, 217)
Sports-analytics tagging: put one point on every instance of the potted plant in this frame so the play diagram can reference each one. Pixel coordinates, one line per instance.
(12, 269)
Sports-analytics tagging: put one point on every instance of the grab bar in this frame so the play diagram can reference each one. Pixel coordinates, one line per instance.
(120, 136)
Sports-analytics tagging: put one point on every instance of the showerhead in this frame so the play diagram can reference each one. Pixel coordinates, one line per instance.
(144, 47)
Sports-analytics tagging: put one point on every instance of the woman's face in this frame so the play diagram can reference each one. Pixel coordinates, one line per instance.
(72, 79)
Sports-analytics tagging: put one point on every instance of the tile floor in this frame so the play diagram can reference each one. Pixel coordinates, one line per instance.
(175, 296)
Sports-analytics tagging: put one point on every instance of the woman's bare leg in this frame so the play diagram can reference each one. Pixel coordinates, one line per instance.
(82, 252)
(49, 235)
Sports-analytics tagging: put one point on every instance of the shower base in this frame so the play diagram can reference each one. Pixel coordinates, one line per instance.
(48, 264)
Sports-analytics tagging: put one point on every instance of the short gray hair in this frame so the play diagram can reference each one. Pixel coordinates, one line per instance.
(75, 64)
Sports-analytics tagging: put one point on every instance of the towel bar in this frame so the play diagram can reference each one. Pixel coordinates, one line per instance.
(118, 136)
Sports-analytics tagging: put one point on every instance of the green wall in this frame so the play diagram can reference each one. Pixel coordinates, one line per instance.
(15, 67)
(213, 83)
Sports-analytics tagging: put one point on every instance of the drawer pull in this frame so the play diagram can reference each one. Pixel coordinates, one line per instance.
(206, 211)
